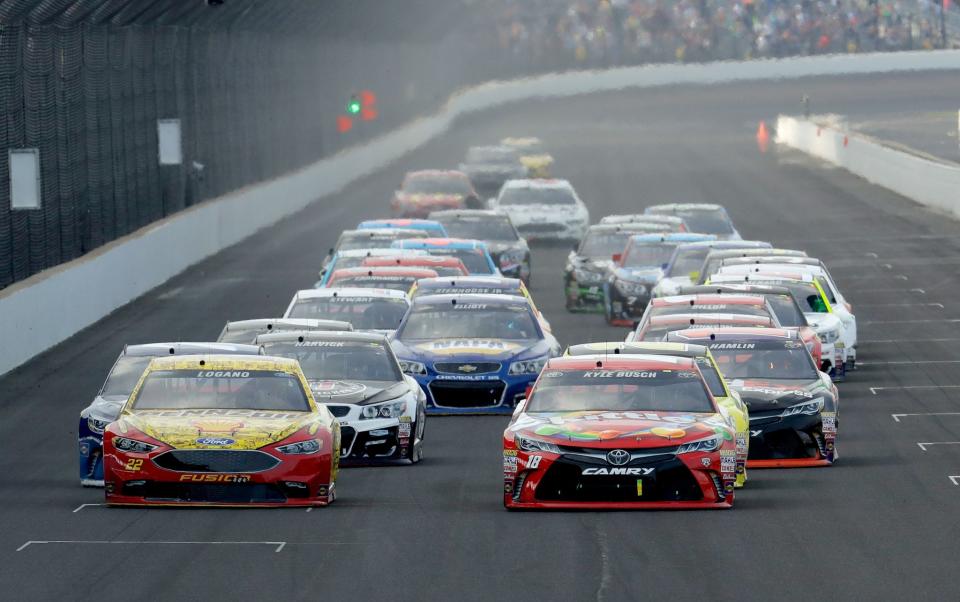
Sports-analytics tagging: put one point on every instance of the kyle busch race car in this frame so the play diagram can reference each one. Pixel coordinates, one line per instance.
(355, 374)
(430, 190)
(246, 331)
(793, 406)
(221, 430)
(473, 353)
(602, 431)
(544, 209)
(372, 309)
(509, 250)
(123, 376)
(636, 271)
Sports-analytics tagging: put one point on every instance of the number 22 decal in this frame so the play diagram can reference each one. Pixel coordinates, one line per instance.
(534, 462)
(134, 464)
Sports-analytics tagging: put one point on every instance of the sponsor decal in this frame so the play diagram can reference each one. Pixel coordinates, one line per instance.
(215, 441)
(533, 462)
(339, 299)
(510, 464)
(618, 457)
(754, 434)
(470, 306)
(216, 478)
(615, 471)
(464, 377)
(405, 419)
(508, 487)
(706, 462)
(134, 464)
(404, 429)
(510, 452)
(320, 344)
(468, 368)
(336, 388)
(829, 422)
(710, 307)
(223, 374)
(619, 374)
(779, 392)
(728, 464)
(221, 412)
(731, 346)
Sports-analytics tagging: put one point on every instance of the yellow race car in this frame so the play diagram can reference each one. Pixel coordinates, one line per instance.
(532, 154)
(728, 399)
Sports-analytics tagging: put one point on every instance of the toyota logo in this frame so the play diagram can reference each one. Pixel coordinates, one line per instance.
(618, 457)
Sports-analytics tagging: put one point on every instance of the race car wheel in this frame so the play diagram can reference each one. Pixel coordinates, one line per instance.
(415, 453)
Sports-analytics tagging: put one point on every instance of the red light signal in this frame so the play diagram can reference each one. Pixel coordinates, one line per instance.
(344, 124)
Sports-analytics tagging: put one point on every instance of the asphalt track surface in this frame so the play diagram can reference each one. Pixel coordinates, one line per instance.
(881, 524)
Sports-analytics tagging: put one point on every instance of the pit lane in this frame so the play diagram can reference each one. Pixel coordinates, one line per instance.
(881, 523)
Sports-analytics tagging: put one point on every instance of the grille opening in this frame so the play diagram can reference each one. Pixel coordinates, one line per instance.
(671, 482)
(783, 444)
(213, 460)
(457, 394)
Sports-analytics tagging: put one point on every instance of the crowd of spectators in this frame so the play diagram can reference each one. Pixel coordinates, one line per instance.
(563, 33)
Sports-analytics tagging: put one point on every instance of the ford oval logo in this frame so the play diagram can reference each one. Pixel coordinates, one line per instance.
(215, 441)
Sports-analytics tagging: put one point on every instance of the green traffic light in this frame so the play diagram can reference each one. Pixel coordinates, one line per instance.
(354, 107)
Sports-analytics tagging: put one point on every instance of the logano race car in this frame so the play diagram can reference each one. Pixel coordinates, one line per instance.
(705, 218)
(590, 261)
(636, 271)
(431, 190)
(121, 380)
(727, 399)
(431, 227)
(682, 269)
(509, 250)
(533, 155)
(394, 278)
(222, 430)
(619, 432)
(370, 309)
(793, 406)
(355, 258)
(544, 210)
(473, 354)
(246, 331)
(381, 411)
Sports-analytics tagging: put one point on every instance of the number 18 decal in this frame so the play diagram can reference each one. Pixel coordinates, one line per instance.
(534, 462)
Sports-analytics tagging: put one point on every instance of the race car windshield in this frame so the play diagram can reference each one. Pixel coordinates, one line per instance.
(451, 186)
(806, 294)
(604, 244)
(764, 360)
(620, 391)
(469, 321)
(365, 313)
(360, 240)
(473, 259)
(687, 261)
(685, 308)
(340, 360)
(221, 390)
(645, 255)
(125, 374)
(537, 196)
(711, 376)
(707, 222)
(240, 335)
(498, 156)
(394, 283)
(788, 313)
(481, 228)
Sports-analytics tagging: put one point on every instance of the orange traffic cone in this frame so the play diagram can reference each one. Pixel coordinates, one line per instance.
(763, 137)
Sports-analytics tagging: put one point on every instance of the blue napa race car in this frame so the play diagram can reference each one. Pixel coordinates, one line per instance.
(431, 227)
(635, 272)
(474, 253)
(113, 394)
(473, 354)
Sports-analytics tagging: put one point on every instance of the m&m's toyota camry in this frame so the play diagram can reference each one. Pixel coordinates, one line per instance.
(222, 430)
(636, 431)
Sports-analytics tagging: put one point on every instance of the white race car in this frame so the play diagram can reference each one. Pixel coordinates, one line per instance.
(382, 411)
(372, 309)
(544, 209)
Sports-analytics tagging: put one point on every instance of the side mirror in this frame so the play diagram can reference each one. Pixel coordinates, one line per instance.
(664, 266)
(616, 257)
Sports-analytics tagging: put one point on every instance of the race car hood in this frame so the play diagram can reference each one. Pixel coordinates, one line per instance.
(592, 264)
(217, 429)
(453, 200)
(491, 168)
(823, 322)
(613, 430)
(767, 395)
(526, 214)
(644, 274)
(356, 391)
(496, 247)
(470, 349)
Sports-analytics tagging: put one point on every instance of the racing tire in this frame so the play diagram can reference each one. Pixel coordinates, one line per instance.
(418, 429)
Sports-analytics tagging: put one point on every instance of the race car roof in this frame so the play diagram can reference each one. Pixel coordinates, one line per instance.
(381, 252)
(455, 213)
(399, 222)
(441, 261)
(224, 362)
(641, 348)
(395, 233)
(383, 271)
(728, 244)
(708, 299)
(287, 324)
(627, 227)
(724, 253)
(744, 334)
(684, 207)
(313, 335)
(472, 299)
(694, 319)
(350, 291)
(620, 362)
(161, 349)
(672, 237)
(436, 173)
(764, 277)
(765, 259)
(539, 184)
(642, 217)
(498, 282)
(734, 289)
(440, 243)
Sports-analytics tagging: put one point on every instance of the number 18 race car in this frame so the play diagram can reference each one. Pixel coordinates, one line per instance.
(222, 430)
(619, 432)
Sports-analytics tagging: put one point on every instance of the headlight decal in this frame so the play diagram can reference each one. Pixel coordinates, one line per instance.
(310, 446)
(413, 368)
(390, 409)
(807, 408)
(703, 445)
(527, 367)
(132, 445)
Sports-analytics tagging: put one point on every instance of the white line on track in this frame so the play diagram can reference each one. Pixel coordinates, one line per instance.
(902, 277)
(927, 444)
(279, 545)
(82, 506)
(897, 417)
(859, 305)
(898, 341)
(874, 390)
(953, 479)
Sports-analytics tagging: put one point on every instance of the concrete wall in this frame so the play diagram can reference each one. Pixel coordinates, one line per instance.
(47, 308)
